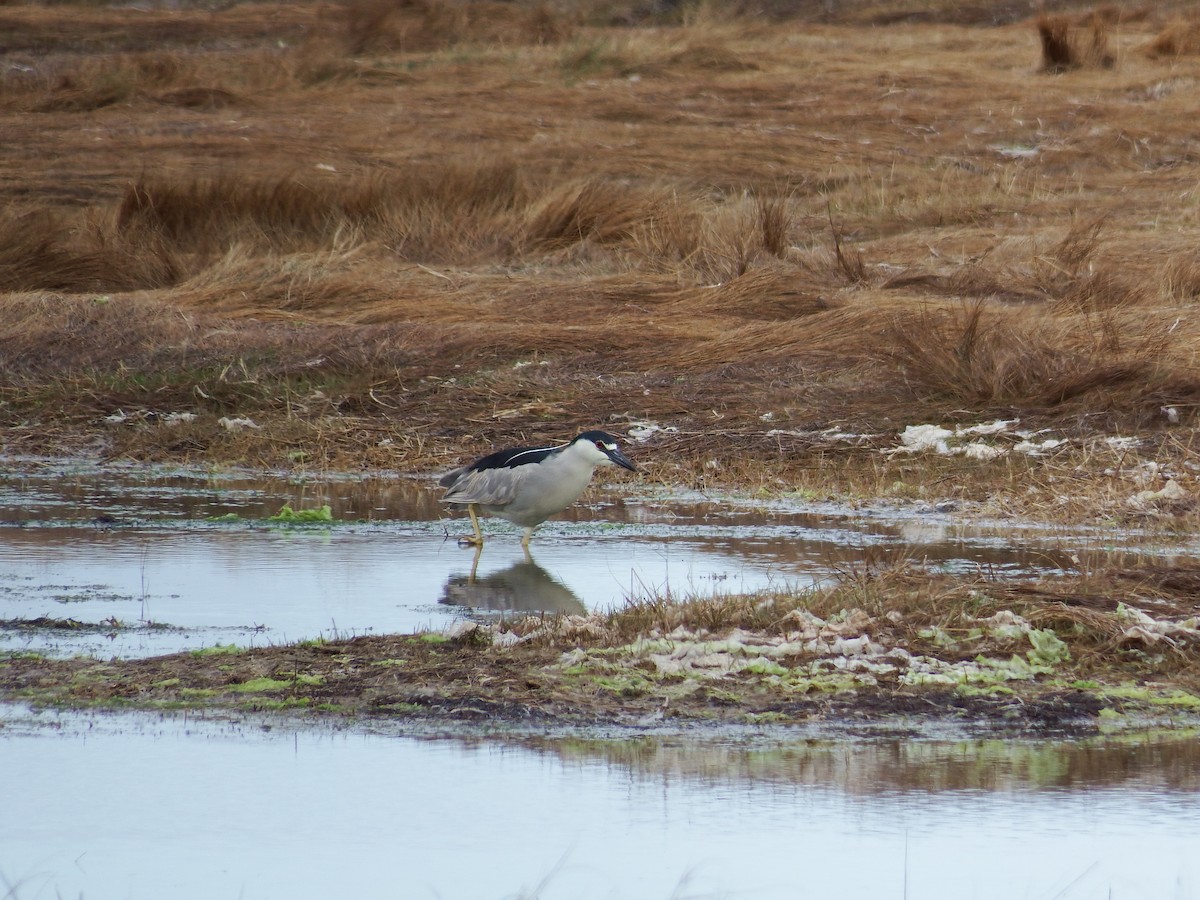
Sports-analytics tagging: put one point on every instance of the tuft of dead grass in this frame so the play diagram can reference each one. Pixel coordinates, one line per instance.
(1067, 44)
(1181, 278)
(46, 250)
(592, 211)
(974, 355)
(438, 212)
(1181, 38)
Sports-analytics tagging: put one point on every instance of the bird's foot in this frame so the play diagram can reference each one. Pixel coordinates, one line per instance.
(470, 541)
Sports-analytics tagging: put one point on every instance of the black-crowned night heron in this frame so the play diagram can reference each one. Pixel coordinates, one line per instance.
(527, 485)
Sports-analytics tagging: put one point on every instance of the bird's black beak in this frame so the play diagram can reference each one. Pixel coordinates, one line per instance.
(620, 459)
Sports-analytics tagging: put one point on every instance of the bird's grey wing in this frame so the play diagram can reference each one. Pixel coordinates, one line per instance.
(449, 478)
(487, 487)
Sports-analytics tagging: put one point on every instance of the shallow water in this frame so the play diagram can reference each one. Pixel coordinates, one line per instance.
(145, 807)
(140, 561)
(141, 806)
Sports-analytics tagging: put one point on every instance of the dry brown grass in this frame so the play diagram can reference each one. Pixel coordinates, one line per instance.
(1067, 44)
(977, 356)
(366, 220)
(49, 250)
(1181, 38)
(400, 26)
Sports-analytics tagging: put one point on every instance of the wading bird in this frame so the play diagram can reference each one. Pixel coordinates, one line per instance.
(527, 485)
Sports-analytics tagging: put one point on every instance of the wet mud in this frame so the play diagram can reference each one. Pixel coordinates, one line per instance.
(428, 680)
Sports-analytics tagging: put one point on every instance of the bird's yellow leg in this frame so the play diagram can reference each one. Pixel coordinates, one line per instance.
(525, 539)
(475, 563)
(475, 524)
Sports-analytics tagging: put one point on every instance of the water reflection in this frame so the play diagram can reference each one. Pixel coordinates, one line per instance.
(522, 587)
(1163, 763)
(197, 550)
(658, 817)
(78, 492)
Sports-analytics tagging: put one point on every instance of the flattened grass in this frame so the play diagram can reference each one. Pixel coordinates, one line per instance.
(529, 220)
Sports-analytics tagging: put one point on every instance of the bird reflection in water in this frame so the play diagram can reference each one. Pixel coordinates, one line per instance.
(522, 587)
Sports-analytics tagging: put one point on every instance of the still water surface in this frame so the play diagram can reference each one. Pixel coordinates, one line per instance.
(134, 807)
(147, 807)
(152, 562)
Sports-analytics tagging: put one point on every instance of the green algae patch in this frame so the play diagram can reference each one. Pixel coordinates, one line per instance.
(1173, 698)
(1180, 700)
(625, 684)
(259, 685)
(255, 685)
(217, 650)
(762, 666)
(318, 516)
(798, 683)
(195, 694)
(939, 637)
(269, 704)
(20, 654)
(722, 695)
(1048, 649)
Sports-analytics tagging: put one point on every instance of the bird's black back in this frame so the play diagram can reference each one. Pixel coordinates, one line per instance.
(520, 456)
(512, 457)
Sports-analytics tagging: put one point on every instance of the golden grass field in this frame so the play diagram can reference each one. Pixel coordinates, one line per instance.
(393, 234)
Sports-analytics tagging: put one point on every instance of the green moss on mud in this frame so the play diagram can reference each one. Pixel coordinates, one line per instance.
(217, 650)
(260, 685)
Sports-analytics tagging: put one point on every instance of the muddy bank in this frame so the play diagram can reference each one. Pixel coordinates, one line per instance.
(850, 672)
(414, 679)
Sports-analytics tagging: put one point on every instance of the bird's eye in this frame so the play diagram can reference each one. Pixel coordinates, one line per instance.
(600, 445)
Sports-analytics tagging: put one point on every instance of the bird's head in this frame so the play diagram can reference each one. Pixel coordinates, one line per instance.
(601, 448)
